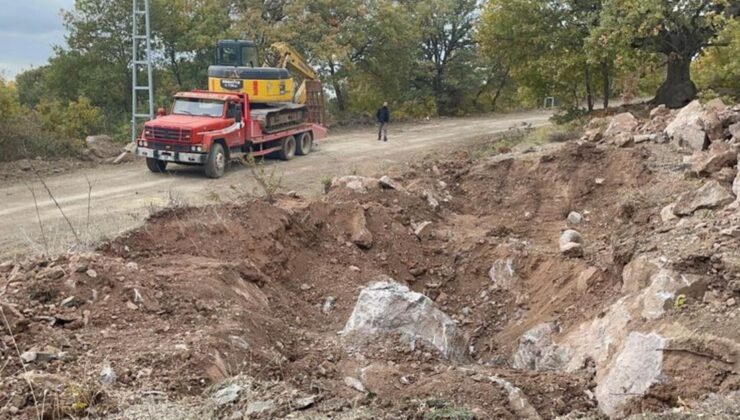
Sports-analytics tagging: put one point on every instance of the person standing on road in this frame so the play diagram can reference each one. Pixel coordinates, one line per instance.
(384, 117)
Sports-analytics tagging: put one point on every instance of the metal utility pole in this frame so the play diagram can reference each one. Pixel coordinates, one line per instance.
(141, 59)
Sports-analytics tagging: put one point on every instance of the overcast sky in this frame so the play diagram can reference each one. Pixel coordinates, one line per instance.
(28, 30)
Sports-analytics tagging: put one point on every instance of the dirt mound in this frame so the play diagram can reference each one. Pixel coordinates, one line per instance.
(236, 309)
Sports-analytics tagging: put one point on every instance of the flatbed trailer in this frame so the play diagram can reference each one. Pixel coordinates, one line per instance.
(226, 129)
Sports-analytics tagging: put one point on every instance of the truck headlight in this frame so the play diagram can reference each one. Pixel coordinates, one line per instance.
(196, 148)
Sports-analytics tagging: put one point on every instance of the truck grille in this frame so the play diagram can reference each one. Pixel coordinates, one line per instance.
(172, 147)
(169, 134)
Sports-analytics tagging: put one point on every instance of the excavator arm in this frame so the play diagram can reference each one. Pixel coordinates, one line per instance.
(291, 60)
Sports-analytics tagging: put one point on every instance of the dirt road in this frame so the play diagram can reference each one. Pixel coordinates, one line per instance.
(121, 197)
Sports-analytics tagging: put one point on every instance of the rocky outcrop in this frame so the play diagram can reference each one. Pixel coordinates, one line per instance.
(387, 307)
(711, 195)
(637, 367)
(719, 156)
(687, 129)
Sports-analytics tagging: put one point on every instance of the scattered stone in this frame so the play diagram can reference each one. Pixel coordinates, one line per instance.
(328, 304)
(537, 352)
(711, 195)
(387, 307)
(358, 184)
(257, 408)
(303, 403)
(736, 185)
(102, 146)
(305, 287)
(624, 123)
(666, 214)
(517, 400)
(423, 230)
(659, 111)
(714, 159)
(388, 183)
(92, 273)
(15, 319)
(227, 395)
(734, 130)
(55, 273)
(599, 181)
(571, 243)
(6, 267)
(24, 165)
(622, 140)
(431, 199)
(687, 129)
(359, 233)
(355, 384)
(107, 374)
(636, 368)
(575, 218)
(29, 356)
(502, 274)
(642, 138)
(731, 302)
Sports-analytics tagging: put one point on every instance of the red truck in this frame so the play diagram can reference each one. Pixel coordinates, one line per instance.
(209, 129)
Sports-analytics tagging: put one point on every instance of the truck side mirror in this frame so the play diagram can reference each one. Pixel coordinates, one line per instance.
(238, 112)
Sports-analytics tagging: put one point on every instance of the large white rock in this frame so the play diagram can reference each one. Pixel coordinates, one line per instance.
(736, 185)
(687, 129)
(387, 307)
(356, 183)
(637, 367)
(624, 123)
(102, 146)
(711, 195)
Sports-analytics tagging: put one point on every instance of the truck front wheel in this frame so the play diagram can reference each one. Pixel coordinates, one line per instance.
(287, 151)
(156, 165)
(216, 162)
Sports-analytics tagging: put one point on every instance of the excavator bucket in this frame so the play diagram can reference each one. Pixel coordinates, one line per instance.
(315, 102)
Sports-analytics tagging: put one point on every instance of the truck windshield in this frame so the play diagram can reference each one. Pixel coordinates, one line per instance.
(200, 107)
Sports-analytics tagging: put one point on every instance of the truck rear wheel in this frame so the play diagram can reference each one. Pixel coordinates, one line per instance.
(287, 151)
(304, 144)
(156, 165)
(216, 162)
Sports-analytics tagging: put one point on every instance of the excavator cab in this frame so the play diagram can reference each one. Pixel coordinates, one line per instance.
(237, 53)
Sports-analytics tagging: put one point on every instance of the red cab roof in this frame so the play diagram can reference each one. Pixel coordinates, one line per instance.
(207, 95)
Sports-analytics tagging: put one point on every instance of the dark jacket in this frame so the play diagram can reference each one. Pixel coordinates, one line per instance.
(384, 115)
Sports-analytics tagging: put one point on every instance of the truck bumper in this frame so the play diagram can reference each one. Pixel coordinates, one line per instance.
(171, 156)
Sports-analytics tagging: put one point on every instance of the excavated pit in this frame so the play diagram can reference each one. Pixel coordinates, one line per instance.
(200, 296)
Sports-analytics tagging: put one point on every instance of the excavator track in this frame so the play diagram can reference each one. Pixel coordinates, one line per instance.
(279, 116)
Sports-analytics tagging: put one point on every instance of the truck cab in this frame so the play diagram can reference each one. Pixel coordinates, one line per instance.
(198, 123)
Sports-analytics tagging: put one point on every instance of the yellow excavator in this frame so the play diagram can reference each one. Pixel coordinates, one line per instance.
(276, 102)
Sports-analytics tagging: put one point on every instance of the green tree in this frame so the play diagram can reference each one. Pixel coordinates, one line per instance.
(718, 68)
(678, 30)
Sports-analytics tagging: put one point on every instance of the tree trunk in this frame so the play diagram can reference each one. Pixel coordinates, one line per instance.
(605, 74)
(337, 88)
(678, 89)
(500, 89)
(589, 90)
